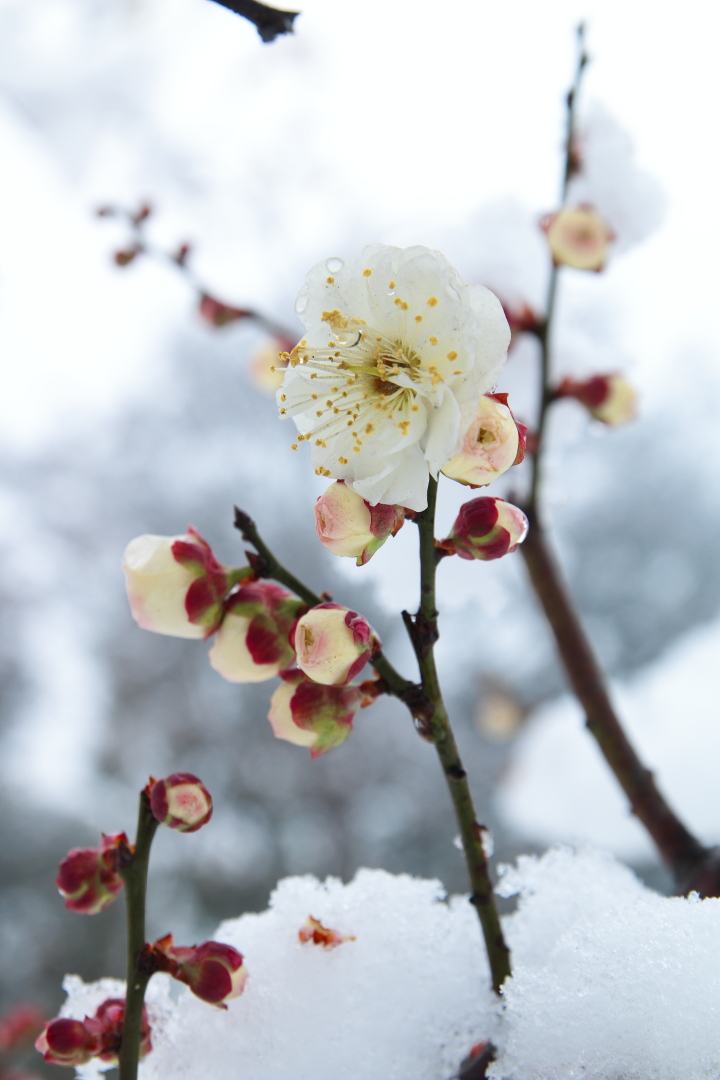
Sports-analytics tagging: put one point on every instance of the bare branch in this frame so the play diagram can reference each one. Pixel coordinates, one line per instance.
(270, 21)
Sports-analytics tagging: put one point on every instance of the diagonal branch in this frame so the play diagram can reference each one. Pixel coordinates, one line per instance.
(270, 21)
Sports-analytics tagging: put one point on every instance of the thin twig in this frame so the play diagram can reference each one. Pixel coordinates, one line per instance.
(135, 879)
(270, 21)
(423, 633)
(265, 564)
(693, 866)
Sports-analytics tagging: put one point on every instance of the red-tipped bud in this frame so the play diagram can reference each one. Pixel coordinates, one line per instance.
(252, 644)
(109, 1020)
(333, 644)
(175, 584)
(180, 801)
(308, 714)
(267, 365)
(491, 444)
(19, 1025)
(486, 529)
(522, 320)
(88, 877)
(609, 398)
(125, 257)
(577, 237)
(68, 1042)
(314, 931)
(348, 525)
(219, 314)
(214, 971)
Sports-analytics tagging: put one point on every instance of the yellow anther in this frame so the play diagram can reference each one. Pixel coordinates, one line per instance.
(330, 280)
(433, 340)
(404, 426)
(335, 319)
(319, 412)
(367, 272)
(398, 301)
(418, 318)
(283, 397)
(404, 306)
(320, 442)
(283, 411)
(356, 449)
(391, 285)
(457, 372)
(293, 446)
(432, 301)
(452, 355)
(314, 397)
(415, 408)
(369, 429)
(342, 461)
(272, 367)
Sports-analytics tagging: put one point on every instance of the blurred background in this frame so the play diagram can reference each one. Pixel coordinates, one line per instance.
(123, 411)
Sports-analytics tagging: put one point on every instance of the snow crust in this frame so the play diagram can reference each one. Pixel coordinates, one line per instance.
(610, 980)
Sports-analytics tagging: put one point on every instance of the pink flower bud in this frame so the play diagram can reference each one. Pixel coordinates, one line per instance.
(109, 1021)
(68, 1042)
(486, 529)
(252, 643)
(609, 398)
(314, 931)
(308, 714)
(219, 314)
(333, 644)
(180, 801)
(491, 444)
(214, 972)
(577, 237)
(348, 525)
(88, 877)
(175, 585)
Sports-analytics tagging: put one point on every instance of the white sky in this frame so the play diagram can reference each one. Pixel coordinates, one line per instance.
(381, 119)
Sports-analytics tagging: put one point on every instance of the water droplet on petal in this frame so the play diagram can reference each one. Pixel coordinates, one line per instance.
(301, 303)
(457, 842)
(334, 264)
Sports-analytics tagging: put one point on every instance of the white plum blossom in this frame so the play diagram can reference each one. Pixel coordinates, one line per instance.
(387, 379)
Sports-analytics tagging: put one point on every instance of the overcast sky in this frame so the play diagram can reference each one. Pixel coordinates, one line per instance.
(381, 119)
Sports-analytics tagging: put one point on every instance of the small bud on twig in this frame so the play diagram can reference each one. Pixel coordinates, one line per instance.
(180, 801)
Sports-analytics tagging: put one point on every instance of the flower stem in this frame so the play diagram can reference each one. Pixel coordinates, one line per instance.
(135, 879)
(423, 634)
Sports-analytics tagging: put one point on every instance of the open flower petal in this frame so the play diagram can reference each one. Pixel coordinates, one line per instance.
(385, 383)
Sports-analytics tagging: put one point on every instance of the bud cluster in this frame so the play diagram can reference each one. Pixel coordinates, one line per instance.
(74, 1042)
(89, 878)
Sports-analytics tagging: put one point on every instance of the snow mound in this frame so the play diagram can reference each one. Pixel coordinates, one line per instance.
(610, 980)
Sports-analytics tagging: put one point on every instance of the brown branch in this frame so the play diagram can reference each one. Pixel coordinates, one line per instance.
(693, 866)
(270, 21)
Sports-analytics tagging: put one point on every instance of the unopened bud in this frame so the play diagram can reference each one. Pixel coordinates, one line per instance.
(180, 801)
(125, 257)
(491, 444)
(314, 931)
(348, 525)
(88, 877)
(609, 398)
(110, 1017)
(175, 585)
(252, 644)
(214, 971)
(68, 1042)
(578, 237)
(333, 644)
(486, 529)
(219, 314)
(308, 714)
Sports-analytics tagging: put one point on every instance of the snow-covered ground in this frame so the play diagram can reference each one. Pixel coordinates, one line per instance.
(610, 980)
